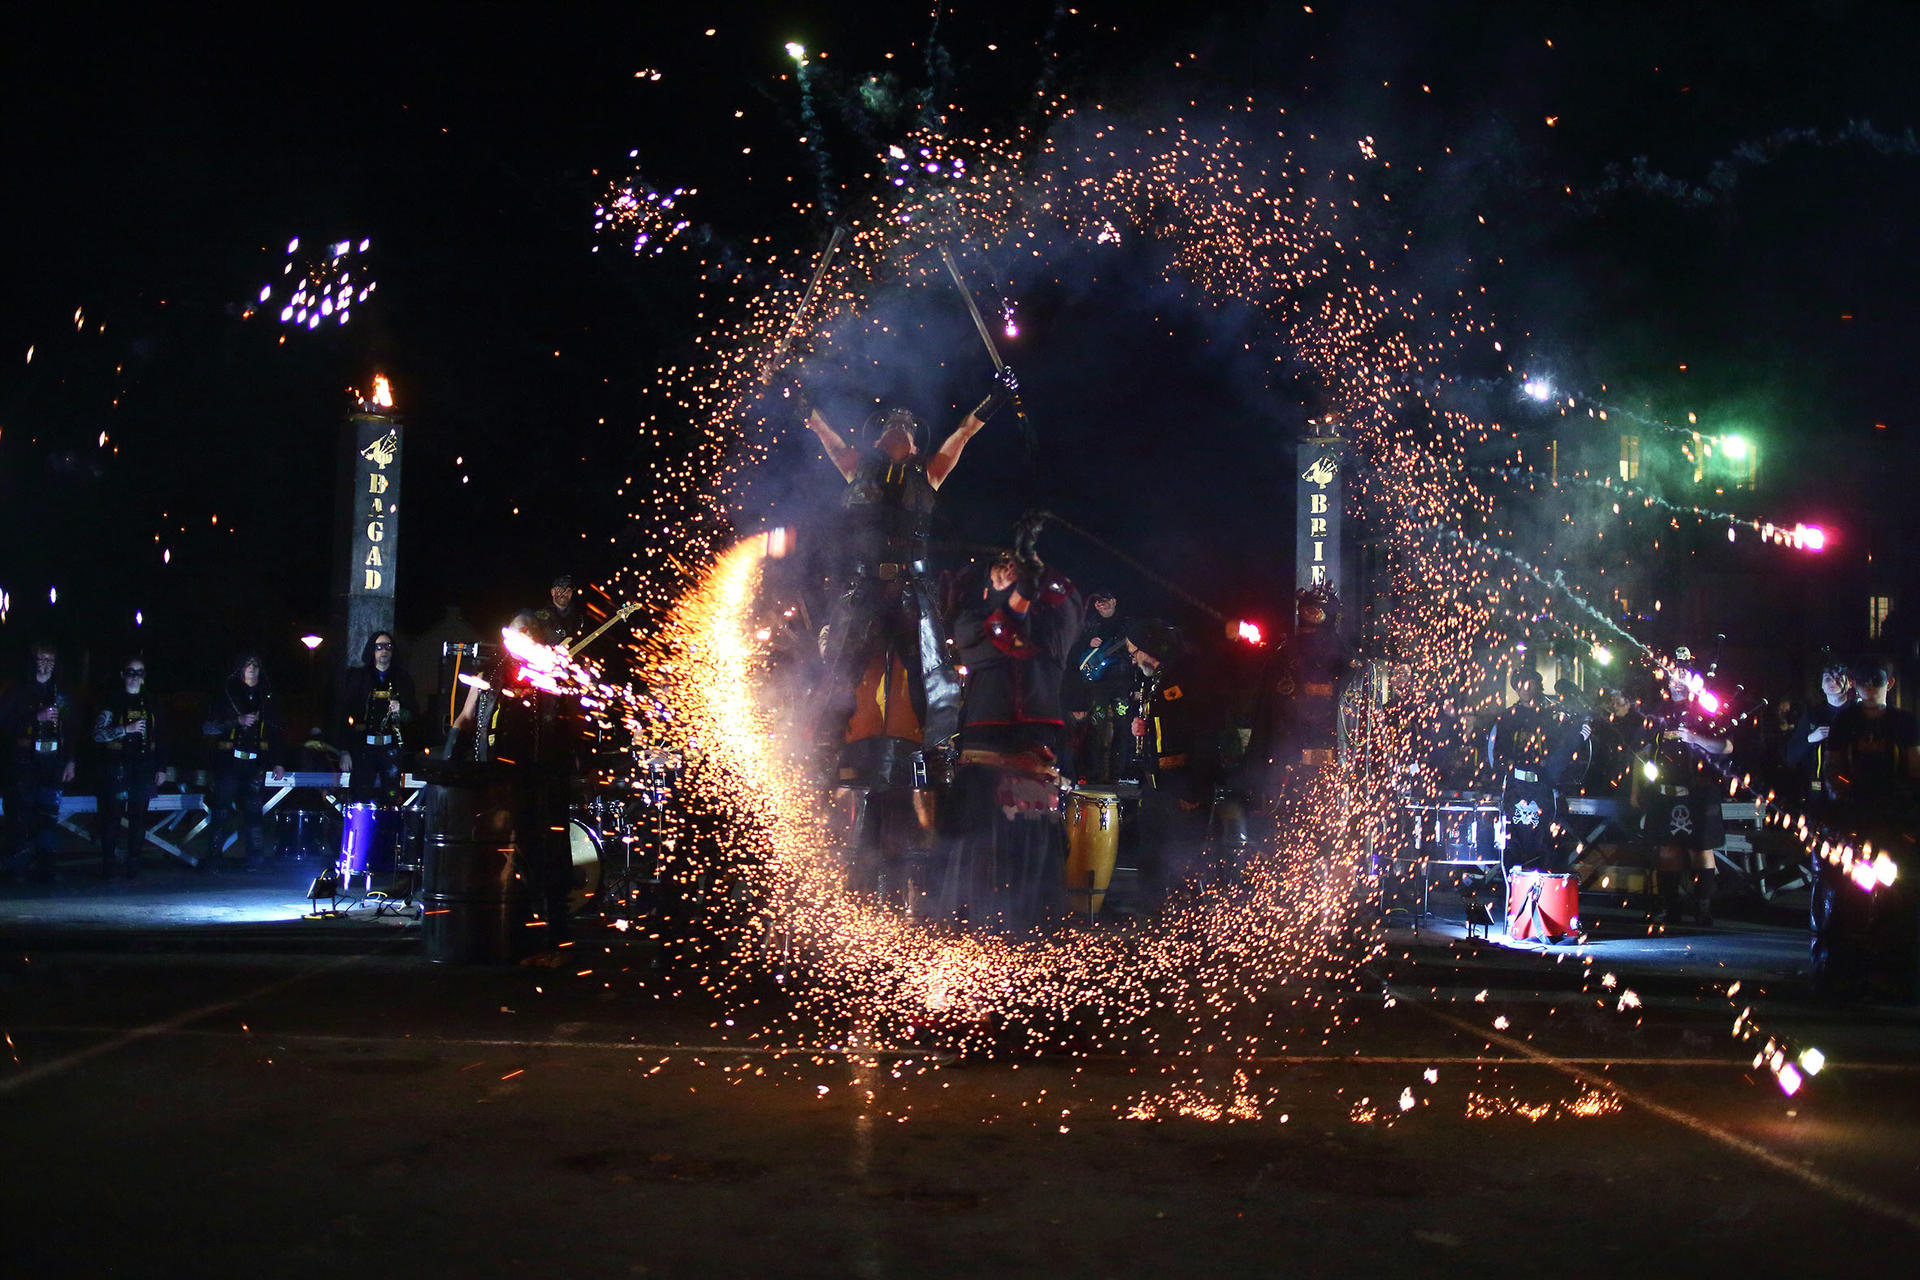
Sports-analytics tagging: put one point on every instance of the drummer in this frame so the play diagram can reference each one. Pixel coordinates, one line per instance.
(1001, 832)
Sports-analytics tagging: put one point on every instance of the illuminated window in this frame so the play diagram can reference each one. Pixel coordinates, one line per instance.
(1629, 457)
(1877, 609)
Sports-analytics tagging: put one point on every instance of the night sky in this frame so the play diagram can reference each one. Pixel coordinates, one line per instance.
(1704, 210)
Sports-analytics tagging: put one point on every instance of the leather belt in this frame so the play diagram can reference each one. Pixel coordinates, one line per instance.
(379, 739)
(45, 747)
(238, 754)
(1525, 775)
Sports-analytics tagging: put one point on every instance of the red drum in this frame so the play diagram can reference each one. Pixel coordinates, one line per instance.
(1542, 906)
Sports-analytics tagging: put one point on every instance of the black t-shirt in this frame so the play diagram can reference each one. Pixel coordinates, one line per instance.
(1871, 759)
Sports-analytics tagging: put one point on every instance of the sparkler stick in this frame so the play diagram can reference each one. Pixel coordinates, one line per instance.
(973, 310)
(806, 301)
(993, 352)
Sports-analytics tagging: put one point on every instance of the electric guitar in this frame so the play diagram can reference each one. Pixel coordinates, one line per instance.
(572, 648)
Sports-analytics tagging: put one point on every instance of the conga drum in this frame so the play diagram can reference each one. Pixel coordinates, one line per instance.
(1093, 843)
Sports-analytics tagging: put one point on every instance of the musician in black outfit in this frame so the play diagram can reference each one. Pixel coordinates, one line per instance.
(1170, 747)
(1682, 814)
(1098, 681)
(36, 719)
(533, 734)
(1806, 747)
(128, 734)
(243, 719)
(563, 621)
(377, 711)
(1002, 838)
(890, 608)
(1534, 748)
(1874, 934)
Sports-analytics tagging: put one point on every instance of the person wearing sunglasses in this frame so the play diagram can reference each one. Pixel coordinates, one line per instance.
(376, 718)
(126, 730)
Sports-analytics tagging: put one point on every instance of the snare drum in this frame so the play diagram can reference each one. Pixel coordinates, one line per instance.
(1093, 844)
(370, 836)
(585, 843)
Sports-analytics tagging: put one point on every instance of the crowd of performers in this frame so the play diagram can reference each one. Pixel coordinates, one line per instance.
(374, 735)
(953, 711)
(956, 712)
(1654, 767)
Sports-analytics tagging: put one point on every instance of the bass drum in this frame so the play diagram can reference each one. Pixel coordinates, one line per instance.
(585, 842)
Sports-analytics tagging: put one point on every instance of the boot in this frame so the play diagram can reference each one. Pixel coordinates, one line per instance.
(1703, 882)
(1669, 899)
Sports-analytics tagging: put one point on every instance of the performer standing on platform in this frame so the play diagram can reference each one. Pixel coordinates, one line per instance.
(127, 732)
(244, 722)
(377, 708)
(37, 721)
(890, 607)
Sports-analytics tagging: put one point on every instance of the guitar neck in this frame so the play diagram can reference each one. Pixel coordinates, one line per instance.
(621, 614)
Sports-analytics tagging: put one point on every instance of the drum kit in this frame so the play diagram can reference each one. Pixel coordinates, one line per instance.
(615, 833)
(381, 848)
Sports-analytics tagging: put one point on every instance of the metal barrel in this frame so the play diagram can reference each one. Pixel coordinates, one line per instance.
(475, 903)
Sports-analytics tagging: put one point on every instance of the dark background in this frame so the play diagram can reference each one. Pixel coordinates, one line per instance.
(1667, 243)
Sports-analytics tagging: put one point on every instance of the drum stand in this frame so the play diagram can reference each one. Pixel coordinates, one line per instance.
(634, 881)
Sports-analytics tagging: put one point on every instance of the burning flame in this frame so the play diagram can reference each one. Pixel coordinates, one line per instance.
(1248, 631)
(382, 391)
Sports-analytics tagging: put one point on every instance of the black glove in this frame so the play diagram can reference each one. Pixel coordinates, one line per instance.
(1005, 386)
(1026, 537)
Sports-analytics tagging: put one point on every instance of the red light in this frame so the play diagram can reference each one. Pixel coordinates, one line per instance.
(1810, 537)
(1248, 631)
(1709, 702)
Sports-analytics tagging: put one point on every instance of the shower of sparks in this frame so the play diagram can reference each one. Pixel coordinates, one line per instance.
(321, 287)
(1239, 223)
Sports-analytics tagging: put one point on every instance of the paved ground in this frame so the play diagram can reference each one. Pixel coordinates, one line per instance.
(199, 1083)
